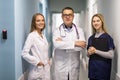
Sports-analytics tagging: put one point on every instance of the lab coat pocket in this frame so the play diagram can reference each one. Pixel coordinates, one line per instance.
(36, 73)
(40, 71)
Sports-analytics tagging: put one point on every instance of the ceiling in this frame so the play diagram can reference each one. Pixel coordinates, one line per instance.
(58, 5)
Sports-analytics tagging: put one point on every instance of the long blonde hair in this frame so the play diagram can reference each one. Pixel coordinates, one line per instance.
(102, 20)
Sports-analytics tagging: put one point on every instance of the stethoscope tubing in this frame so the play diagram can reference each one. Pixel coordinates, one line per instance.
(62, 25)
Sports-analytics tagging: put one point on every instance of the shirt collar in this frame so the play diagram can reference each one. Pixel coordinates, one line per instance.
(70, 28)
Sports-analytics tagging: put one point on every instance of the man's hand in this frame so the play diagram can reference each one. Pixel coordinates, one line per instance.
(81, 44)
(59, 39)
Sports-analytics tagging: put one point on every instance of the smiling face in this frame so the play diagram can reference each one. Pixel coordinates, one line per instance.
(97, 23)
(67, 17)
(40, 22)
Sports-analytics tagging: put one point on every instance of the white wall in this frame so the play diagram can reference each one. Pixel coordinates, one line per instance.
(116, 33)
(90, 10)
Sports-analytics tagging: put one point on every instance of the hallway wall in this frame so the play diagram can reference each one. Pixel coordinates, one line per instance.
(7, 47)
(15, 17)
(24, 11)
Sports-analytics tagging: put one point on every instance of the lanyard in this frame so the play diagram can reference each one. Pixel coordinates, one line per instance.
(63, 33)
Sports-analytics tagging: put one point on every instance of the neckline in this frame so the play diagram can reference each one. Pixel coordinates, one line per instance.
(98, 35)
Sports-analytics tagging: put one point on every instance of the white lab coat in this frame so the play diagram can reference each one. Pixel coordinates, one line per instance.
(66, 57)
(34, 51)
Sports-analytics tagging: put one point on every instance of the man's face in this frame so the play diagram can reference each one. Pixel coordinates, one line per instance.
(67, 17)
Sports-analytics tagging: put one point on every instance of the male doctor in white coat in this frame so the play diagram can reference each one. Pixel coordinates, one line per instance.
(68, 41)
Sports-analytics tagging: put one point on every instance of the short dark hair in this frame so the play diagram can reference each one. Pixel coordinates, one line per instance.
(67, 8)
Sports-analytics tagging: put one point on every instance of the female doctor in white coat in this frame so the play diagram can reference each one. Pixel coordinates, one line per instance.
(68, 41)
(35, 50)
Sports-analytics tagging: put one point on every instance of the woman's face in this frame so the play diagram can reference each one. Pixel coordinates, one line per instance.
(67, 17)
(40, 22)
(97, 23)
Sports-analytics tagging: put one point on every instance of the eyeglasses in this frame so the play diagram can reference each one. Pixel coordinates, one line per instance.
(65, 15)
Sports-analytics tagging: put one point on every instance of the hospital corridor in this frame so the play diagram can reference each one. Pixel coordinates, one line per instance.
(15, 25)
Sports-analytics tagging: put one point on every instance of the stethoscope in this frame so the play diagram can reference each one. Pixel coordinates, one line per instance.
(63, 32)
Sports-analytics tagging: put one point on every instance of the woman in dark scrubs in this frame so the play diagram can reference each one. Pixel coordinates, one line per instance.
(100, 50)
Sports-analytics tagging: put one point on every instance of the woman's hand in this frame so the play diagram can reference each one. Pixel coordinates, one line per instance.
(40, 64)
(91, 50)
